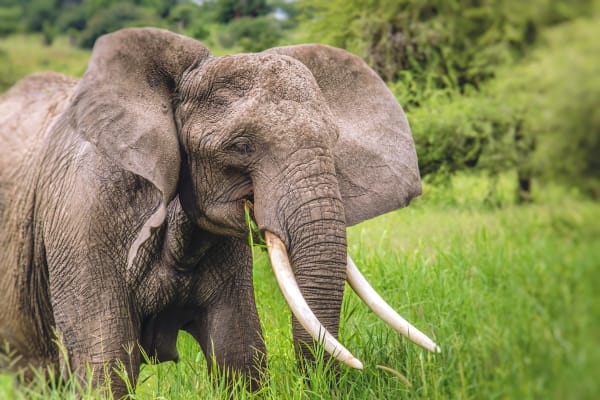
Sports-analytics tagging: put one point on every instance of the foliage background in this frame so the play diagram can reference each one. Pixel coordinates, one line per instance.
(502, 255)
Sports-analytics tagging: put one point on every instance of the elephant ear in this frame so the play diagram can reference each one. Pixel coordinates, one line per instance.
(375, 156)
(123, 106)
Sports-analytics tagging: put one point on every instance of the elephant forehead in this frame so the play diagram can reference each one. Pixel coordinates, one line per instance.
(288, 79)
(267, 111)
(257, 91)
(232, 77)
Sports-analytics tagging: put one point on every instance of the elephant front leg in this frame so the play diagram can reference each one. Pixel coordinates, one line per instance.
(99, 331)
(231, 338)
(228, 328)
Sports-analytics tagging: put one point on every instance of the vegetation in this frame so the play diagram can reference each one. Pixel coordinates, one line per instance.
(528, 117)
(21, 55)
(486, 84)
(439, 44)
(251, 22)
(502, 98)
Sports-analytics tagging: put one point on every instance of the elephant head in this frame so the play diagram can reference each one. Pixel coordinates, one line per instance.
(309, 134)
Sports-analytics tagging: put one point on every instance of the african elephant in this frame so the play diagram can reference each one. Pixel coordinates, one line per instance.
(122, 198)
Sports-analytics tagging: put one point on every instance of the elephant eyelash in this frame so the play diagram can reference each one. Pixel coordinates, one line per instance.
(244, 148)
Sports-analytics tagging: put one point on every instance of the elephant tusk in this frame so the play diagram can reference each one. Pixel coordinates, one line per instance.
(291, 291)
(383, 310)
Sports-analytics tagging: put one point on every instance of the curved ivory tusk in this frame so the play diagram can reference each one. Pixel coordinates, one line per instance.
(366, 292)
(291, 291)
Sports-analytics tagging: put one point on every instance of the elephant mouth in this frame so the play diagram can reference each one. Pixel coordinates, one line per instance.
(244, 193)
(246, 203)
(244, 199)
(249, 198)
(228, 214)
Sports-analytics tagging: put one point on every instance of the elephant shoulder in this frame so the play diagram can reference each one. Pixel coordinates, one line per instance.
(42, 85)
(32, 103)
(26, 111)
(39, 88)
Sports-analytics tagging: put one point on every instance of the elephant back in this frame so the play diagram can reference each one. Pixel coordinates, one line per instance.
(26, 112)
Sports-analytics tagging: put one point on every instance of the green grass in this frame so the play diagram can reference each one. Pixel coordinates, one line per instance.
(510, 294)
(21, 55)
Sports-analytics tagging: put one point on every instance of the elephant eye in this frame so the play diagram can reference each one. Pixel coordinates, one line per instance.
(242, 148)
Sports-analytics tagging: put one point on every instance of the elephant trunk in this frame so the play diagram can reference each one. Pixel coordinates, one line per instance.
(308, 216)
(318, 256)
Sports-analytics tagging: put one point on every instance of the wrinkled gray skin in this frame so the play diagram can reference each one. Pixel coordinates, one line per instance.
(121, 194)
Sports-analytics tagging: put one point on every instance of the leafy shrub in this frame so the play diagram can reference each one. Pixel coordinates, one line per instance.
(48, 33)
(9, 19)
(252, 34)
(117, 16)
(454, 133)
(72, 18)
(199, 31)
(7, 73)
(191, 19)
(563, 115)
(37, 12)
(230, 10)
(184, 15)
(538, 117)
(455, 45)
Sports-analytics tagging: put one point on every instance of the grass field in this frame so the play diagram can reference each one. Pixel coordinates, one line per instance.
(510, 294)
(21, 55)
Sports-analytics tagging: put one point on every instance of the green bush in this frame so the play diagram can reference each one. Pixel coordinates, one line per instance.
(563, 115)
(190, 19)
(37, 12)
(117, 16)
(199, 31)
(9, 19)
(455, 132)
(252, 34)
(539, 117)
(7, 73)
(72, 18)
(230, 10)
(183, 15)
(438, 45)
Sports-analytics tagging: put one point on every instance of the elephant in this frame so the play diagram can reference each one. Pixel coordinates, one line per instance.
(123, 198)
